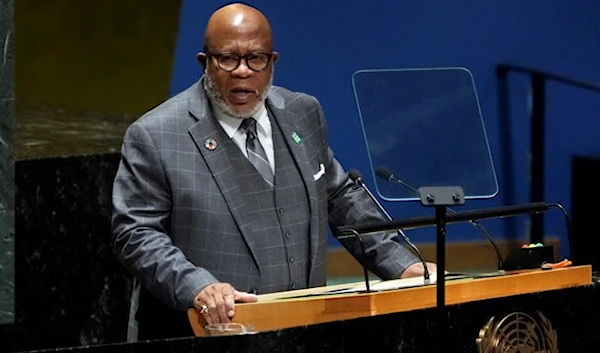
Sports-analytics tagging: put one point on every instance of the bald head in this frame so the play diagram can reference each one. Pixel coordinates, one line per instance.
(237, 20)
(238, 60)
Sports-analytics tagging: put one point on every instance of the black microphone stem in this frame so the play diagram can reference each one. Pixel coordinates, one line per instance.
(384, 173)
(491, 240)
(355, 176)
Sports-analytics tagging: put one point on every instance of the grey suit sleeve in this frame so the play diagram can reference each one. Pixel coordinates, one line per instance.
(141, 218)
(386, 255)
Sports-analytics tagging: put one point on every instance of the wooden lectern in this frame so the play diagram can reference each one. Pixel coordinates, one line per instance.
(349, 301)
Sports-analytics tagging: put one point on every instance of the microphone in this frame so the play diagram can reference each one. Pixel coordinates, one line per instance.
(357, 179)
(386, 174)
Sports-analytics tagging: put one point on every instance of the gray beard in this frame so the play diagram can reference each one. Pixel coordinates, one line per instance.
(220, 103)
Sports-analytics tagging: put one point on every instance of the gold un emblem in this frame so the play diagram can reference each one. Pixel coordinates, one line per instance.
(518, 332)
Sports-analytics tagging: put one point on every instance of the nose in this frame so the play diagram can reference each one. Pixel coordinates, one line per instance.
(242, 71)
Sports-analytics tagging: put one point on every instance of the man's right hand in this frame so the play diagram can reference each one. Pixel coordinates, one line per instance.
(219, 300)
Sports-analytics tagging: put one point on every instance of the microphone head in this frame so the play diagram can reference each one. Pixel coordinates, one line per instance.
(384, 173)
(354, 175)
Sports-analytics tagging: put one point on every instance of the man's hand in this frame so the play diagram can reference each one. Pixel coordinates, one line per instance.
(216, 302)
(416, 270)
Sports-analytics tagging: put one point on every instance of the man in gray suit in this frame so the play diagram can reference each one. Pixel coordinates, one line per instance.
(226, 190)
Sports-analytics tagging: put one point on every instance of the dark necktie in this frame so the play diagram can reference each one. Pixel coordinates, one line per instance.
(256, 152)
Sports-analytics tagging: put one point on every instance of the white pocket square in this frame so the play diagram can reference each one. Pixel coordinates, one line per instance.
(320, 173)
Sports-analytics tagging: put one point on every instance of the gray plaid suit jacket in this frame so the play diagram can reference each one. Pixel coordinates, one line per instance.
(179, 217)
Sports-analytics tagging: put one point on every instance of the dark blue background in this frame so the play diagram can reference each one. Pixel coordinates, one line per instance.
(322, 43)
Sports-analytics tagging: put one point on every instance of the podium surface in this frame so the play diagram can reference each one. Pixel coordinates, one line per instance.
(343, 302)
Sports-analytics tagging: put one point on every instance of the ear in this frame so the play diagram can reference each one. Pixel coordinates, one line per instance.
(201, 57)
(275, 56)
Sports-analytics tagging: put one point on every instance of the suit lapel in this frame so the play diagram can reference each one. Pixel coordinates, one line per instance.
(206, 131)
(286, 121)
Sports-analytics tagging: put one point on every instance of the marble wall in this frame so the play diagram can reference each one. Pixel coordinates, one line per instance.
(70, 289)
(6, 163)
(81, 78)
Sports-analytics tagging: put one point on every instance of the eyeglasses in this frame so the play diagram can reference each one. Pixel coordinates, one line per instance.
(255, 61)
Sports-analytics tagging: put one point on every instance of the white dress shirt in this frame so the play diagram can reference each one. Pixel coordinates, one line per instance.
(263, 129)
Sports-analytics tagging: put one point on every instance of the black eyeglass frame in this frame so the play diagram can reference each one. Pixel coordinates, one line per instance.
(239, 59)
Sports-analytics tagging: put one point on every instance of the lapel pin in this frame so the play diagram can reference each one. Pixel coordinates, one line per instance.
(296, 138)
(210, 144)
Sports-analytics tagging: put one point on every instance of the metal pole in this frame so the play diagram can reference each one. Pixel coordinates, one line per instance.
(538, 103)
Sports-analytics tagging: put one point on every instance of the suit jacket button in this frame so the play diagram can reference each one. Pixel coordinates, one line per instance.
(253, 291)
